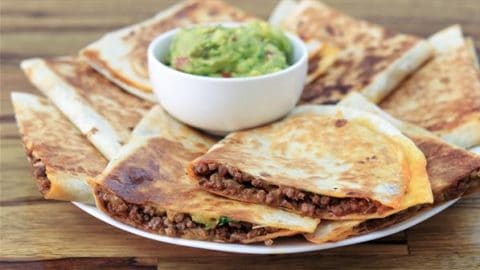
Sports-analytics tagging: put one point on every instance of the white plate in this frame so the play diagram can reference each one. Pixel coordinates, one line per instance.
(280, 246)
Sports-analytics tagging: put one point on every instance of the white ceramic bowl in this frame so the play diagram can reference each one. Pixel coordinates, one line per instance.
(221, 105)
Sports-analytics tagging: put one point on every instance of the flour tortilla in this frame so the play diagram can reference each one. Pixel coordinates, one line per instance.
(334, 231)
(61, 157)
(372, 60)
(447, 164)
(444, 95)
(327, 151)
(149, 171)
(122, 55)
(101, 110)
(447, 167)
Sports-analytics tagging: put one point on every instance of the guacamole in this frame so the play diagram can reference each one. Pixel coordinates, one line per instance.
(252, 49)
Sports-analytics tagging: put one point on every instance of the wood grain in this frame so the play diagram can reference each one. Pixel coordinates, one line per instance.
(39, 234)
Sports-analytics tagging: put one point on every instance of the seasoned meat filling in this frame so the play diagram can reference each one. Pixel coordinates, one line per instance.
(179, 224)
(460, 187)
(40, 173)
(229, 181)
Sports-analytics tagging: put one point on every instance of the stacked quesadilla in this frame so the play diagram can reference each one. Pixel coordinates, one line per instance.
(61, 157)
(444, 95)
(332, 163)
(372, 60)
(146, 186)
(451, 170)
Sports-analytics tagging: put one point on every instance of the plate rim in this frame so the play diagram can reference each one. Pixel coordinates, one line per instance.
(278, 248)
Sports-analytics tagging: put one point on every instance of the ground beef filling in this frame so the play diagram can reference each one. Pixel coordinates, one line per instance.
(179, 224)
(40, 174)
(460, 188)
(229, 181)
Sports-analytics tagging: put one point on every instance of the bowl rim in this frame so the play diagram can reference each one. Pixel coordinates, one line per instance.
(294, 40)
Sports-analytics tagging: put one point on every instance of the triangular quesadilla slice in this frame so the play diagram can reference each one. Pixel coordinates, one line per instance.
(61, 157)
(100, 109)
(452, 172)
(451, 169)
(122, 55)
(321, 161)
(146, 186)
(372, 60)
(444, 95)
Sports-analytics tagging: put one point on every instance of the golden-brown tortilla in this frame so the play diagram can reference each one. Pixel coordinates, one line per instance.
(122, 55)
(450, 169)
(337, 230)
(61, 157)
(100, 109)
(329, 151)
(150, 172)
(444, 95)
(372, 61)
(447, 165)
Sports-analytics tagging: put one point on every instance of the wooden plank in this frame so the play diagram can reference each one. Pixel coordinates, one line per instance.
(322, 261)
(34, 229)
(57, 230)
(409, 16)
(301, 261)
(11, 79)
(455, 230)
(17, 183)
(85, 263)
(18, 46)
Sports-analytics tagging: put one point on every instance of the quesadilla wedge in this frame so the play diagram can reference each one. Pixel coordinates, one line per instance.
(452, 173)
(372, 60)
(452, 170)
(321, 161)
(101, 110)
(61, 158)
(146, 186)
(121, 55)
(444, 95)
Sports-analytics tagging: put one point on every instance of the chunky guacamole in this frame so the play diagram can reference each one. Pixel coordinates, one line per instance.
(249, 50)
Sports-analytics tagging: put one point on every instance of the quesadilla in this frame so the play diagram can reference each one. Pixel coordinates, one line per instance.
(61, 158)
(321, 161)
(372, 60)
(452, 171)
(145, 186)
(101, 110)
(444, 95)
(122, 55)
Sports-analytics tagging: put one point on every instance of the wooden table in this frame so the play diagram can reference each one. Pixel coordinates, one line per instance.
(37, 234)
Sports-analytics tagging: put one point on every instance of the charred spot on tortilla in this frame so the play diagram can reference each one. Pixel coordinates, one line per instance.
(340, 122)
